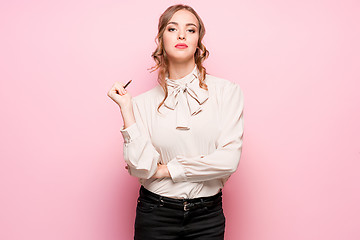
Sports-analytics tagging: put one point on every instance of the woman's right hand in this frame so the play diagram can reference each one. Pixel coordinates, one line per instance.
(120, 95)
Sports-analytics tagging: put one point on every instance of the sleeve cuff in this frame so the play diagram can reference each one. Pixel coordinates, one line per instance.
(130, 133)
(176, 170)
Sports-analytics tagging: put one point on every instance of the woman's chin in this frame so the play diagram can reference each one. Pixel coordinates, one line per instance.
(181, 57)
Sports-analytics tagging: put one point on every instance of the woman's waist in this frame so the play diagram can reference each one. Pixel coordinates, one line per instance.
(182, 190)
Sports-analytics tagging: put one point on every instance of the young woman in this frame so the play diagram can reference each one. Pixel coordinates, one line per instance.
(182, 138)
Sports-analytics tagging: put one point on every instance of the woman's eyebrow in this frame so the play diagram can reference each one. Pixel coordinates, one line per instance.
(188, 24)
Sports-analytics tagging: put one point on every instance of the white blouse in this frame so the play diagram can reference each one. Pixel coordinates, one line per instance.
(198, 134)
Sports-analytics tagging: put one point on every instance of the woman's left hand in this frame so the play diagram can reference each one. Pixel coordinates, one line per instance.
(161, 172)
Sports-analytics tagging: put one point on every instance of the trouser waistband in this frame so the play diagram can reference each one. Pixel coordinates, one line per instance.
(185, 204)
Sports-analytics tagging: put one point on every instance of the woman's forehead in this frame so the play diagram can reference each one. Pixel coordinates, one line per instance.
(183, 17)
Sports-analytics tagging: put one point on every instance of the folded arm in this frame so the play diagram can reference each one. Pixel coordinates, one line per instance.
(138, 151)
(225, 159)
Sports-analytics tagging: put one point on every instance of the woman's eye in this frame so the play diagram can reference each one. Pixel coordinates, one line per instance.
(171, 29)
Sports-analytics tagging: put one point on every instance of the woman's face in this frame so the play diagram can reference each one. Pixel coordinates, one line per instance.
(183, 28)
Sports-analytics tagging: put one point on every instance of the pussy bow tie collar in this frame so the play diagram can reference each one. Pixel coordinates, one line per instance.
(186, 96)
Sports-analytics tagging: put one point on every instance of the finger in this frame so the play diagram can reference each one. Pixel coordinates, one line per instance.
(121, 89)
(121, 85)
(116, 89)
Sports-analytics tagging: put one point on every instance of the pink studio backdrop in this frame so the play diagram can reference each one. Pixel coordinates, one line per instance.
(62, 174)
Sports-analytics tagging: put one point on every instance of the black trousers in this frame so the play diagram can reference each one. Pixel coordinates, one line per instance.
(159, 217)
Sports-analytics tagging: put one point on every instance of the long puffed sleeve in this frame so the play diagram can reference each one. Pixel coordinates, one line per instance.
(139, 153)
(225, 159)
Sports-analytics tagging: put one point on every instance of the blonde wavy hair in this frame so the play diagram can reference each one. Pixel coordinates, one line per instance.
(160, 57)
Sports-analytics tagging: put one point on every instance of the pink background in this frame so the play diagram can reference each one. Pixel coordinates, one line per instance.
(62, 174)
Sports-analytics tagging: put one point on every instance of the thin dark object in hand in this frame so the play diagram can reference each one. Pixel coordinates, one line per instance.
(127, 84)
(117, 92)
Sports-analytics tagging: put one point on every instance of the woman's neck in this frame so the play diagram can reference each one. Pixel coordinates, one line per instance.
(180, 70)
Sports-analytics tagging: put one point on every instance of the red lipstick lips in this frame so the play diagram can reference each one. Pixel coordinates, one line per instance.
(181, 45)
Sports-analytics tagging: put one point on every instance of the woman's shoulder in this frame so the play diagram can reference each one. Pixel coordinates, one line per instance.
(228, 93)
(222, 85)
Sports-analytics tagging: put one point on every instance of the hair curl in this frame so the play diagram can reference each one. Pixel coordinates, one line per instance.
(160, 57)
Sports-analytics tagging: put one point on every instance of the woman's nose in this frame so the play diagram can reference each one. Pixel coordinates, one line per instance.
(181, 35)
